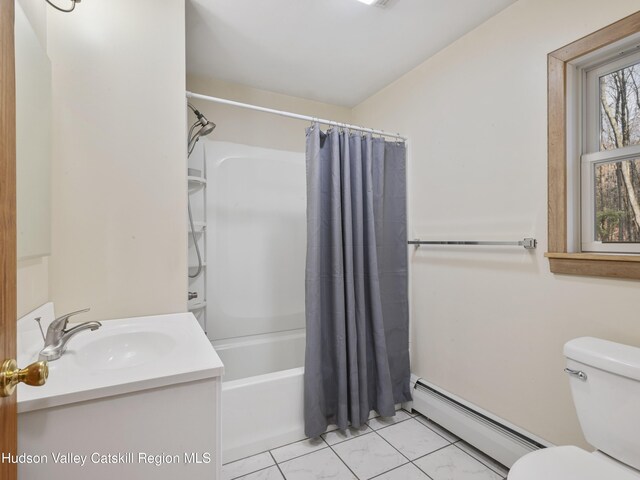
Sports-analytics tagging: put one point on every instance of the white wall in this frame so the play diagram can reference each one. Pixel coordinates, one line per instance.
(489, 324)
(36, 13)
(119, 166)
(32, 284)
(258, 129)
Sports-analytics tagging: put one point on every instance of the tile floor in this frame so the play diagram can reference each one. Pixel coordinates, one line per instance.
(404, 447)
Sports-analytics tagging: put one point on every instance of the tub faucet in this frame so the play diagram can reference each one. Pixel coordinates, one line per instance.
(55, 343)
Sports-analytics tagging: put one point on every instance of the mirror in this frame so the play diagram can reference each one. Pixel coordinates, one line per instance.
(33, 140)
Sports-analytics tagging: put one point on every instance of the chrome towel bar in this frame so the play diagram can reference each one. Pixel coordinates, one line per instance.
(528, 243)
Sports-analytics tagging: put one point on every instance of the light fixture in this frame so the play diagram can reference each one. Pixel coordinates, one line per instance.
(368, 2)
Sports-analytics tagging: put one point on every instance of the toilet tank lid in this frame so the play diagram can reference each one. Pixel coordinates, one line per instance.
(608, 356)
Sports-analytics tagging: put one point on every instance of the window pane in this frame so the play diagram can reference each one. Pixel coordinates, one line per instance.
(617, 197)
(620, 108)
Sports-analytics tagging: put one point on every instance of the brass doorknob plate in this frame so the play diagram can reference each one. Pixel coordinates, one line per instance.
(35, 375)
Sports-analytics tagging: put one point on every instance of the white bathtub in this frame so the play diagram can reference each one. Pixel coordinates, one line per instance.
(261, 413)
(255, 355)
(261, 410)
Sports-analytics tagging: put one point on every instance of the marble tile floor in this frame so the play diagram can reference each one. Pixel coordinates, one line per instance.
(404, 447)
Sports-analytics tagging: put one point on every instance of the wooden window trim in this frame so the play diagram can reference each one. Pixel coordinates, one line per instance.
(560, 261)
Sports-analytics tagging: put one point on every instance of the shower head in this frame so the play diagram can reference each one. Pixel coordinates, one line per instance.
(206, 127)
(203, 131)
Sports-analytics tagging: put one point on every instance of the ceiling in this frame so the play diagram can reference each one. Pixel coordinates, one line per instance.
(334, 51)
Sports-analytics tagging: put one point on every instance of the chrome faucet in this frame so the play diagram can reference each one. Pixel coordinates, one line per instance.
(55, 343)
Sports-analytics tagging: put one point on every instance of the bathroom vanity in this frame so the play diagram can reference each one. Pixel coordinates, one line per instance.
(138, 398)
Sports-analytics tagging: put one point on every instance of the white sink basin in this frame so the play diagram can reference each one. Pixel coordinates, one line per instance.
(124, 350)
(122, 356)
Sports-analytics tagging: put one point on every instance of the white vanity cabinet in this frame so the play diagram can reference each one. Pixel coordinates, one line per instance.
(137, 399)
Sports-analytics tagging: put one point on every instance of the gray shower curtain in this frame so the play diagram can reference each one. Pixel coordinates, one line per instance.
(357, 314)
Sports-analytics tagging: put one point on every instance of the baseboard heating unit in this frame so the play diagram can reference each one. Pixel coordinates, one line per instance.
(490, 434)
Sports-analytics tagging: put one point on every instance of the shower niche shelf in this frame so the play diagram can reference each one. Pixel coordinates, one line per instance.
(196, 179)
(198, 227)
(197, 232)
(196, 182)
(197, 306)
(193, 267)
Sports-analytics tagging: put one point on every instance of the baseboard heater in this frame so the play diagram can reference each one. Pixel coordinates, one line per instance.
(490, 434)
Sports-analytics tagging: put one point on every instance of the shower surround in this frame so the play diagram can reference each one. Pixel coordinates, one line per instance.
(255, 215)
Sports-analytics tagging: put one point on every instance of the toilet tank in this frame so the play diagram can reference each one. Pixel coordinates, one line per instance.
(607, 400)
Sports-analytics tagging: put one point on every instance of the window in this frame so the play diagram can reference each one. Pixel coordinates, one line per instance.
(610, 160)
(594, 153)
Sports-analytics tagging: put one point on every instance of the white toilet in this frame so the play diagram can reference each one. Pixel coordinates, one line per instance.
(605, 382)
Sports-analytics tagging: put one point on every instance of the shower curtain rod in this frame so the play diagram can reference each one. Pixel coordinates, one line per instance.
(294, 115)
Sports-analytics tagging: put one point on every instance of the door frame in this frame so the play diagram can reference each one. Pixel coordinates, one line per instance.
(8, 254)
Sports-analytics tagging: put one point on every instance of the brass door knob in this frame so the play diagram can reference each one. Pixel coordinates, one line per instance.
(35, 375)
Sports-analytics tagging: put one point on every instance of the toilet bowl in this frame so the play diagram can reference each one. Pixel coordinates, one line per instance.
(605, 383)
(569, 463)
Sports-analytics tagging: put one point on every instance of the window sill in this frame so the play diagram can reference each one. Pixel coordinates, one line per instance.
(596, 265)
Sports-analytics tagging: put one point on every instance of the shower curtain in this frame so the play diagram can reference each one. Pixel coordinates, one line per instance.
(357, 353)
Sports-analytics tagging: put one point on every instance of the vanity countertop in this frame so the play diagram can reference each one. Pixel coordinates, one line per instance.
(123, 356)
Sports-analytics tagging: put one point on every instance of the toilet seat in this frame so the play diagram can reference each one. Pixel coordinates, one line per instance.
(567, 463)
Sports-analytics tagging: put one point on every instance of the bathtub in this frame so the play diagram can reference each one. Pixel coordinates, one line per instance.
(263, 411)
(262, 392)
